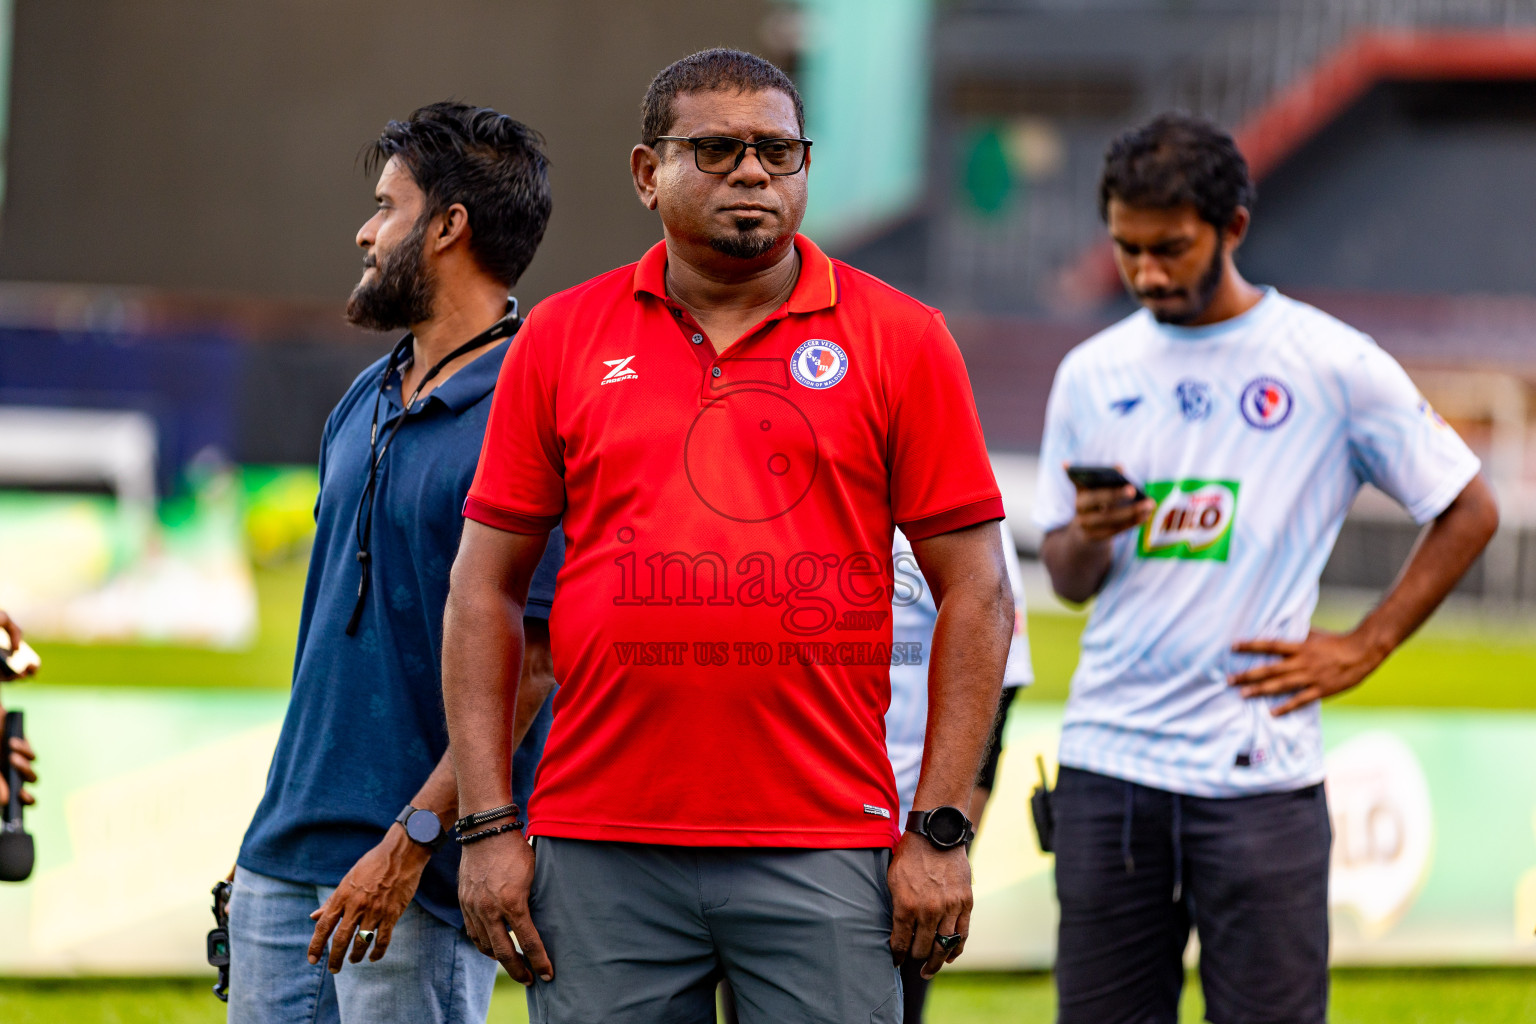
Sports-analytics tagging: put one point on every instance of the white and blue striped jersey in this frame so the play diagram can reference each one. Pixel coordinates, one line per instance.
(1253, 436)
(913, 615)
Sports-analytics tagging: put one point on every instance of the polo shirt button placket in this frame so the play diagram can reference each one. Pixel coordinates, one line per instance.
(697, 339)
(715, 372)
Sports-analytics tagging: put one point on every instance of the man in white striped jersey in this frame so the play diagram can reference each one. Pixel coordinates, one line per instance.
(1190, 791)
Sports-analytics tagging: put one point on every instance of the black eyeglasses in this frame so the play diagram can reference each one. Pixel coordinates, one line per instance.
(721, 154)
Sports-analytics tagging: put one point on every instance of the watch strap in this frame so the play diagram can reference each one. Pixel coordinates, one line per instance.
(917, 821)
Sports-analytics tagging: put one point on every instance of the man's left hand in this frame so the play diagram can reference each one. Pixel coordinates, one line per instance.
(1320, 666)
(930, 895)
(370, 898)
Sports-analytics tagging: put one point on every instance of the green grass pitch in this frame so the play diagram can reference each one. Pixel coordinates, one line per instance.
(1459, 660)
(1359, 997)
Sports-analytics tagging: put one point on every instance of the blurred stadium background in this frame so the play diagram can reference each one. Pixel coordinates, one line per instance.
(180, 193)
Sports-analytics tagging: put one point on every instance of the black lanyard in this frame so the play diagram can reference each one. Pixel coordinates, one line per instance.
(503, 328)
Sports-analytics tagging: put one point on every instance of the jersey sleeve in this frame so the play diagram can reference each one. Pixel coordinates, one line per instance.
(519, 485)
(941, 477)
(1398, 442)
(1055, 497)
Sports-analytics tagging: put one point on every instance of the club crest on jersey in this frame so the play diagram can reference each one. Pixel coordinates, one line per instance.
(1193, 520)
(818, 363)
(1266, 403)
(1194, 399)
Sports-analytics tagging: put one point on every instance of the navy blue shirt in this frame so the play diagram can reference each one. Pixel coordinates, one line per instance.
(365, 723)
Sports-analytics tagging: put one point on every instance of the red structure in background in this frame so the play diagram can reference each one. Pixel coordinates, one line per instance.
(1301, 110)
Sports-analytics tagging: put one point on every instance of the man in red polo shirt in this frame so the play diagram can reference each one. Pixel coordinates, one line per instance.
(728, 430)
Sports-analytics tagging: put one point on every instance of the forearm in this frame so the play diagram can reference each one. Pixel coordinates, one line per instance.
(537, 680)
(1077, 565)
(965, 678)
(439, 794)
(1443, 554)
(482, 659)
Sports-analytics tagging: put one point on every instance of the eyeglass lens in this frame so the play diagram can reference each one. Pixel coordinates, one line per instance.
(722, 155)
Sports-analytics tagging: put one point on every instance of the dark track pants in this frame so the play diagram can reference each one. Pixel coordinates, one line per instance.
(1136, 867)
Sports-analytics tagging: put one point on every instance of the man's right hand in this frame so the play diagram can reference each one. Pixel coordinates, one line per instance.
(1078, 555)
(495, 876)
(1105, 513)
(368, 901)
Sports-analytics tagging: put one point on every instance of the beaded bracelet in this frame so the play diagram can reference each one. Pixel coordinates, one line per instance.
(512, 826)
(481, 817)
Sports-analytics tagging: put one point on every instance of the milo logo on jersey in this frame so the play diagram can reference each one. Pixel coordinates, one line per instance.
(1193, 519)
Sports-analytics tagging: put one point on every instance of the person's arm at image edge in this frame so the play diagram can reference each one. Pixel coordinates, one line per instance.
(21, 753)
(930, 888)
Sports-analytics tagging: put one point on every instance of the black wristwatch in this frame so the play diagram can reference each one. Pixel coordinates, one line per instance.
(944, 827)
(422, 826)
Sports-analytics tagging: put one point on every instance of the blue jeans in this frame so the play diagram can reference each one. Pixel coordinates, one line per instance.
(431, 974)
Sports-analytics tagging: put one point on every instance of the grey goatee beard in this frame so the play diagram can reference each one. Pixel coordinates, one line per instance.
(749, 243)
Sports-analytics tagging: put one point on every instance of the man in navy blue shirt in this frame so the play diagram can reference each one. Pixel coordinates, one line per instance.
(347, 847)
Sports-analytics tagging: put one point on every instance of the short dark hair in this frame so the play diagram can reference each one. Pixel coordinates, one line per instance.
(709, 71)
(493, 164)
(1177, 160)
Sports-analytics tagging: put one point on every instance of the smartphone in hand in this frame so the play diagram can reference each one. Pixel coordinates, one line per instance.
(1100, 478)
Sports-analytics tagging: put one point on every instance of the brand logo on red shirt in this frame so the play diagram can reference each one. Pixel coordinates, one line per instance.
(618, 369)
(818, 363)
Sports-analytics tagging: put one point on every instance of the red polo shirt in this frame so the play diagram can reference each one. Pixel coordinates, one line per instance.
(721, 627)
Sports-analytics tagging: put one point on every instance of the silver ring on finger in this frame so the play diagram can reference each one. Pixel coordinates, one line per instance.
(948, 942)
(365, 936)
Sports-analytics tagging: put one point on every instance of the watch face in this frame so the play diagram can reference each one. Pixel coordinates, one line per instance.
(946, 826)
(423, 827)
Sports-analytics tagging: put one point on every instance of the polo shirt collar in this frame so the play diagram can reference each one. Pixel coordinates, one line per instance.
(473, 382)
(816, 288)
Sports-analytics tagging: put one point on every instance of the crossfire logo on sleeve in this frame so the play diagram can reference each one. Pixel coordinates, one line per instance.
(1193, 520)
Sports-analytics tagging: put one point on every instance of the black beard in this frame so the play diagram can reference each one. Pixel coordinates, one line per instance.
(749, 243)
(401, 292)
(1205, 291)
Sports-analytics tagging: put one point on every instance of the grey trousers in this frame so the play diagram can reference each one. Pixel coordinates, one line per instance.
(642, 934)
